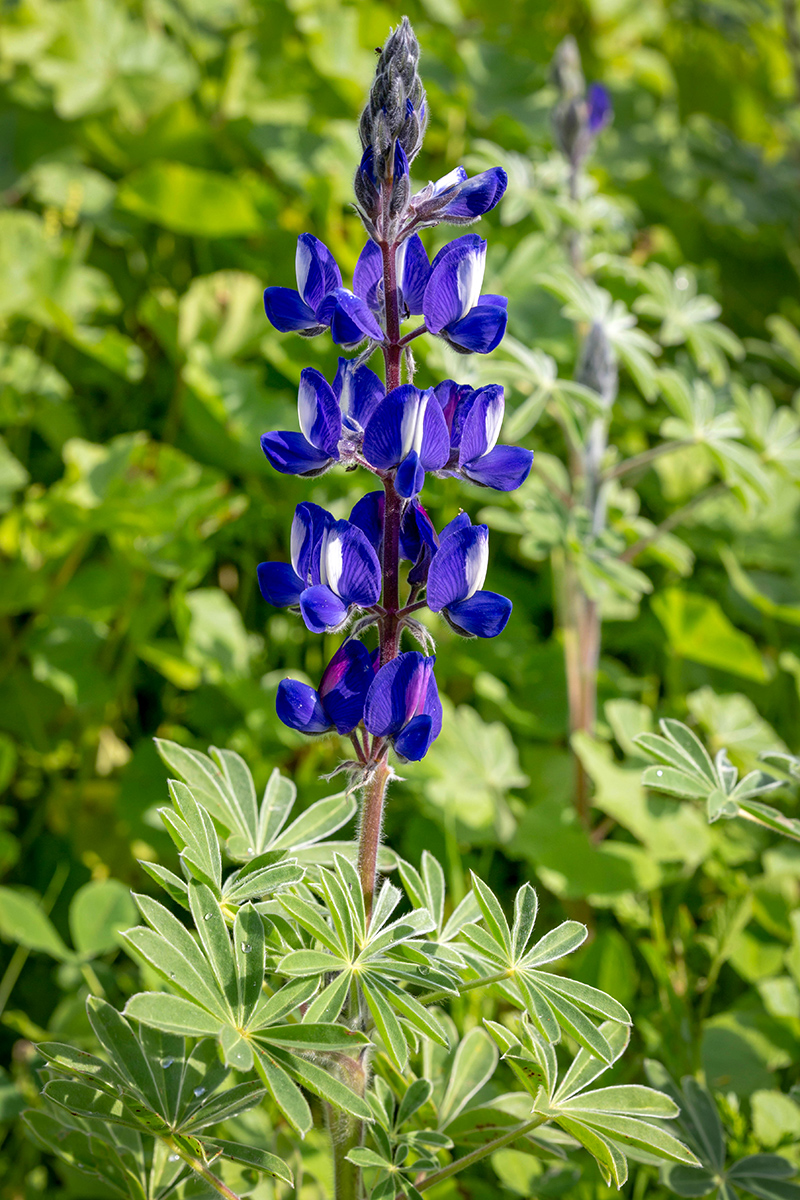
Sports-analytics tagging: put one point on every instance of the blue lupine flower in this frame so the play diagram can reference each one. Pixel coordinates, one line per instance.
(331, 419)
(453, 306)
(359, 391)
(456, 577)
(334, 570)
(407, 431)
(320, 301)
(459, 200)
(403, 705)
(474, 419)
(476, 196)
(339, 701)
(599, 110)
(418, 540)
(413, 272)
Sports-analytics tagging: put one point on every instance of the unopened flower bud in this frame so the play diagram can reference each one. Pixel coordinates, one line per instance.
(392, 126)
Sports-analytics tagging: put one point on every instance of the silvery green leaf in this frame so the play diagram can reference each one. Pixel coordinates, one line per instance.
(493, 914)
(586, 1067)
(474, 1063)
(562, 940)
(251, 1156)
(173, 1014)
(627, 1100)
(317, 822)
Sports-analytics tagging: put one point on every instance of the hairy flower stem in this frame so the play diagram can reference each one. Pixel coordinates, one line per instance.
(369, 841)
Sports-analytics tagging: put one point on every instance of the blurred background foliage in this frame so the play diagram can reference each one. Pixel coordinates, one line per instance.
(157, 160)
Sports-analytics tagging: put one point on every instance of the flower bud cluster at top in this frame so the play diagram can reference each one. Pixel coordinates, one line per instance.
(346, 574)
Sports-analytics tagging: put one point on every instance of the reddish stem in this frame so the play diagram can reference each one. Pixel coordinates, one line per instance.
(389, 626)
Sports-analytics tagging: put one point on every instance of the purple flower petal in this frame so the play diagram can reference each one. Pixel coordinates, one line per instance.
(359, 392)
(383, 436)
(345, 683)
(458, 523)
(291, 454)
(279, 584)
(410, 476)
(459, 567)
(318, 411)
(413, 273)
(414, 742)
(504, 468)
(322, 610)
(308, 526)
(299, 707)
(480, 331)
(368, 277)
(349, 566)
(367, 515)
(397, 694)
(407, 420)
(350, 319)
(287, 311)
(495, 301)
(599, 110)
(482, 424)
(483, 615)
(316, 270)
(432, 706)
(417, 532)
(452, 398)
(455, 282)
(477, 196)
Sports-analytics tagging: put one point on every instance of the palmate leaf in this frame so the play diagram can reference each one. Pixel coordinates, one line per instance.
(609, 1122)
(687, 771)
(160, 1081)
(152, 1085)
(379, 957)
(219, 984)
(194, 833)
(764, 1175)
(222, 784)
(552, 1002)
(76, 1143)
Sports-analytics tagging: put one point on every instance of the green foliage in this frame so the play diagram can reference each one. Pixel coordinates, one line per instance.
(157, 161)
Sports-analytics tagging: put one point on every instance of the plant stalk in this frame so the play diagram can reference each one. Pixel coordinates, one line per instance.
(475, 1156)
(201, 1169)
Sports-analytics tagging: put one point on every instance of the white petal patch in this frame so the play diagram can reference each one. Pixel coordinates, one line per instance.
(400, 263)
(347, 394)
(307, 407)
(470, 279)
(302, 266)
(476, 565)
(451, 180)
(331, 560)
(412, 425)
(298, 537)
(494, 421)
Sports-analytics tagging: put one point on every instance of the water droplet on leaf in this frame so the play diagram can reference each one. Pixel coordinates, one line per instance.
(199, 1091)
(167, 1062)
(246, 947)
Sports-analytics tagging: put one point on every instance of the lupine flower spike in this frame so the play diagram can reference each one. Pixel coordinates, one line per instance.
(346, 574)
